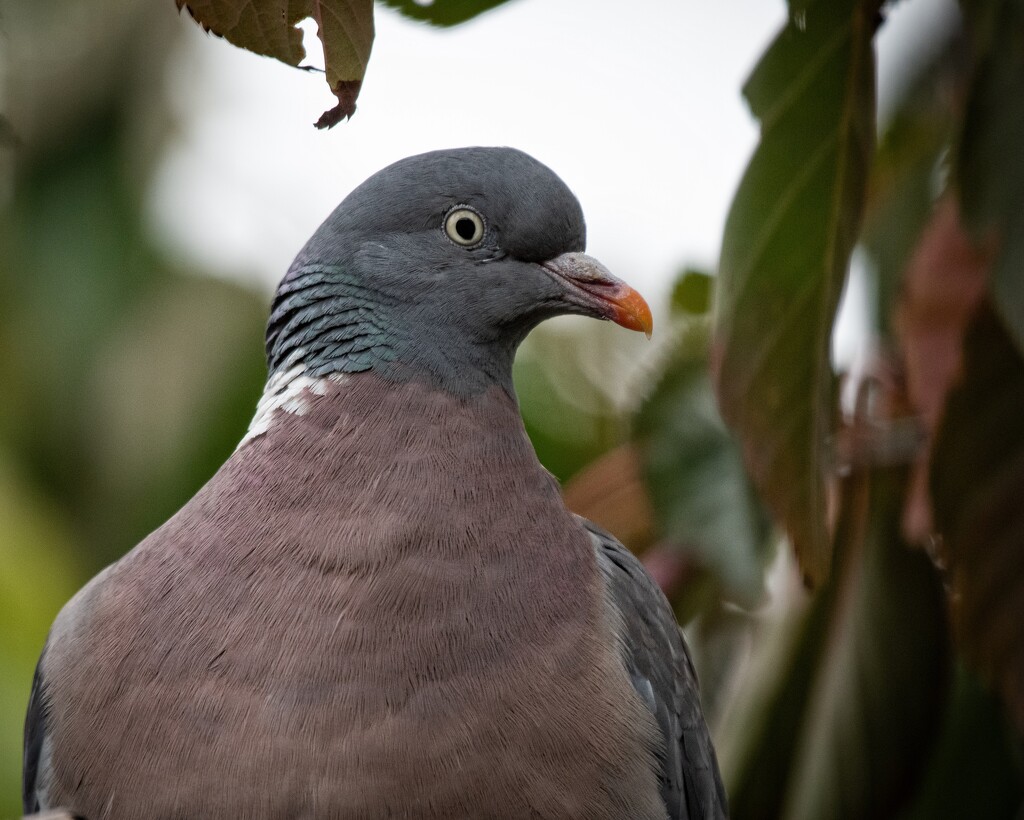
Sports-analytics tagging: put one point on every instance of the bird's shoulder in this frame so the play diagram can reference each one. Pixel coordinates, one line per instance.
(661, 670)
(70, 621)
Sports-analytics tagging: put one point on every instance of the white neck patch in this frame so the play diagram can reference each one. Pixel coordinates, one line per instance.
(286, 392)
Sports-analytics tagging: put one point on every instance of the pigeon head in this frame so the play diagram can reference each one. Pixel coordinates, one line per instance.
(437, 267)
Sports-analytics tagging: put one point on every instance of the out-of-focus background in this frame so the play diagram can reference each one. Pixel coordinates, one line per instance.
(155, 182)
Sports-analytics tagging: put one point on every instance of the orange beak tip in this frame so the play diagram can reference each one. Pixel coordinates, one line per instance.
(633, 312)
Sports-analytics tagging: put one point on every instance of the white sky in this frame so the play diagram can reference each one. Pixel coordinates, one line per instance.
(639, 112)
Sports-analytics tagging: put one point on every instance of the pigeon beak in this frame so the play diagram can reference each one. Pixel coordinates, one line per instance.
(592, 286)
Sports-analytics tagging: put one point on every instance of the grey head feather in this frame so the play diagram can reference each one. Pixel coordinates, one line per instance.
(381, 287)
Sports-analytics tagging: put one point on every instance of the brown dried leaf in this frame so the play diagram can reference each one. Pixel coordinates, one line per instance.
(611, 492)
(943, 283)
(268, 27)
(977, 483)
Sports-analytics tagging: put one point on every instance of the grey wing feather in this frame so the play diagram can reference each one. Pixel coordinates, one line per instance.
(35, 733)
(662, 672)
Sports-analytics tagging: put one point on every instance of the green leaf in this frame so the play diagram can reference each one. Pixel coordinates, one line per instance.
(268, 27)
(443, 12)
(882, 682)
(991, 165)
(702, 498)
(692, 292)
(758, 744)
(976, 481)
(975, 769)
(842, 727)
(841, 723)
(785, 252)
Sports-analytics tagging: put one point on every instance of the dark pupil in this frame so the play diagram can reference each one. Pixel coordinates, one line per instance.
(465, 228)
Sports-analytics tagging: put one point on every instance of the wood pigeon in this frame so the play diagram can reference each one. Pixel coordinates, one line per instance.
(380, 606)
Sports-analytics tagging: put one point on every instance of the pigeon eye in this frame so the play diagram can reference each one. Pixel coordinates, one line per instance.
(464, 227)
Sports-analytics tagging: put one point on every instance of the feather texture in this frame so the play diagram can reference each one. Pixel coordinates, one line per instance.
(358, 615)
(380, 606)
(660, 668)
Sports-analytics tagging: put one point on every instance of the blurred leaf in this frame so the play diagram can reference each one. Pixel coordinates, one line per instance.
(692, 292)
(924, 264)
(908, 171)
(169, 395)
(702, 498)
(443, 12)
(560, 375)
(268, 27)
(797, 8)
(108, 353)
(785, 252)
(843, 727)
(878, 696)
(991, 164)
(758, 744)
(611, 492)
(72, 261)
(8, 136)
(68, 62)
(977, 481)
(943, 282)
(975, 770)
(721, 639)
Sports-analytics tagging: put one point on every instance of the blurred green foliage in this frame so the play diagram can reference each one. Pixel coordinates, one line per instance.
(702, 498)
(859, 718)
(866, 674)
(989, 169)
